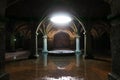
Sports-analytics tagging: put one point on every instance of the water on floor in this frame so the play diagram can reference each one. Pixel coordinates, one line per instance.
(59, 68)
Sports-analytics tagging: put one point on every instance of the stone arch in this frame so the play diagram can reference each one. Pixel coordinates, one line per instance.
(100, 33)
(75, 19)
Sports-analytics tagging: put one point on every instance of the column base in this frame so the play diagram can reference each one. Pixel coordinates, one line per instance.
(77, 52)
(4, 76)
(44, 52)
(36, 55)
(112, 76)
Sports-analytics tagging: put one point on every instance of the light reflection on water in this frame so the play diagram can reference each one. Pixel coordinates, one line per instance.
(61, 51)
(62, 78)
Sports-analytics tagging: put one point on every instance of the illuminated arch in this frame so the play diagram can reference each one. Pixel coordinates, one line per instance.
(74, 18)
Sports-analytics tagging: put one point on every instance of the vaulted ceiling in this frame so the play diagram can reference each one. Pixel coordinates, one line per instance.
(39, 8)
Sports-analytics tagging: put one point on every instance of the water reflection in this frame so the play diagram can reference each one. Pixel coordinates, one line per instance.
(61, 51)
(62, 78)
(60, 68)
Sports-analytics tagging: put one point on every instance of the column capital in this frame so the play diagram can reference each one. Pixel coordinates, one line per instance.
(45, 36)
(77, 36)
(36, 33)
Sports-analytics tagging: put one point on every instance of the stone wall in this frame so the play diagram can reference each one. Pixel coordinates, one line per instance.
(115, 39)
(115, 49)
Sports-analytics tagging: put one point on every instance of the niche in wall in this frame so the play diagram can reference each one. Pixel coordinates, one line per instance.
(61, 41)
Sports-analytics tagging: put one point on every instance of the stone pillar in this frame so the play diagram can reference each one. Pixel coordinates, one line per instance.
(85, 44)
(88, 42)
(45, 51)
(3, 74)
(45, 43)
(77, 51)
(115, 39)
(115, 50)
(2, 45)
(77, 43)
(36, 37)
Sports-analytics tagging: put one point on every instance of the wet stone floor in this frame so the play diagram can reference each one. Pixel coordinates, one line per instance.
(59, 68)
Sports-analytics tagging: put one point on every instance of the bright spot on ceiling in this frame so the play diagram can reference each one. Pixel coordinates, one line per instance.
(61, 18)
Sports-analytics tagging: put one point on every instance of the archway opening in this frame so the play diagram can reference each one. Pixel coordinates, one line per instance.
(61, 41)
(49, 30)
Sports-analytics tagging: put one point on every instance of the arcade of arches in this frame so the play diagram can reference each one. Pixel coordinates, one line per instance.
(100, 43)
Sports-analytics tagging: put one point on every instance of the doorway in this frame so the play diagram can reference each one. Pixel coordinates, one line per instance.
(61, 41)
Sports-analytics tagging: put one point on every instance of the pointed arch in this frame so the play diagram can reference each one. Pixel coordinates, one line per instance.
(46, 19)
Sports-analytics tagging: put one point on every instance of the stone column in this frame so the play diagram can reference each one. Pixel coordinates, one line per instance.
(88, 44)
(115, 50)
(45, 51)
(77, 51)
(77, 43)
(3, 74)
(45, 43)
(36, 38)
(115, 40)
(85, 44)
